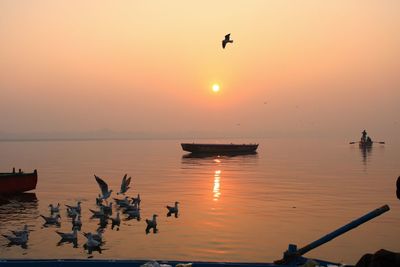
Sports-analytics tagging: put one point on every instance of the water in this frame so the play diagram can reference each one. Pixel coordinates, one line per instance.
(243, 208)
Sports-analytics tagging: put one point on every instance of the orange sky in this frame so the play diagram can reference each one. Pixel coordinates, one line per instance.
(295, 67)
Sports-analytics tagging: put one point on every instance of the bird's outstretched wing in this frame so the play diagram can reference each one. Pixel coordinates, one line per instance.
(223, 44)
(128, 181)
(103, 185)
(227, 37)
(123, 183)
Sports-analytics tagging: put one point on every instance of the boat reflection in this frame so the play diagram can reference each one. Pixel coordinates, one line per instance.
(217, 185)
(366, 152)
(25, 205)
(210, 155)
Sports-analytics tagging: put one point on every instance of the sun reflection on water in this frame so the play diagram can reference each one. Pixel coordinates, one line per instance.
(217, 185)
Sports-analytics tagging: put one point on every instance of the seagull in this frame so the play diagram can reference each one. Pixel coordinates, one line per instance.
(107, 209)
(91, 244)
(98, 213)
(103, 222)
(17, 240)
(51, 220)
(54, 209)
(124, 184)
(98, 236)
(151, 224)
(226, 40)
(122, 202)
(72, 213)
(136, 200)
(115, 221)
(21, 232)
(133, 214)
(173, 209)
(77, 223)
(131, 207)
(69, 236)
(99, 200)
(77, 208)
(105, 193)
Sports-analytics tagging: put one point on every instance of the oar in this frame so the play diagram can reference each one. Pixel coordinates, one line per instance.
(293, 254)
(380, 142)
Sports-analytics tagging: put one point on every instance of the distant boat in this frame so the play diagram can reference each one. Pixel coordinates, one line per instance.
(365, 144)
(220, 148)
(17, 182)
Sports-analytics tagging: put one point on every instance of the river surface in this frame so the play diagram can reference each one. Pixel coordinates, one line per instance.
(241, 208)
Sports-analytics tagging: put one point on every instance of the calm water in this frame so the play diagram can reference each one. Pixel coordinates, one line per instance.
(243, 208)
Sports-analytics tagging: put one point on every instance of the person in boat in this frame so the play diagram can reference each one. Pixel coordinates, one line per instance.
(369, 140)
(364, 136)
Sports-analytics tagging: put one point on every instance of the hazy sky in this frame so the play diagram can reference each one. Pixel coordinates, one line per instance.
(295, 67)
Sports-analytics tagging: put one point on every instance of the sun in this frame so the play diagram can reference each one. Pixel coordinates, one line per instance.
(215, 88)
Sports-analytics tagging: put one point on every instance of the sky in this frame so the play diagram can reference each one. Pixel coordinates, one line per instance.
(295, 68)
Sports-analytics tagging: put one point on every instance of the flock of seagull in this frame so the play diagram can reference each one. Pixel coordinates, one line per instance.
(130, 206)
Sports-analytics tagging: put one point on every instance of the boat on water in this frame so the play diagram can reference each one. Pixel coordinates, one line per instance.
(219, 148)
(17, 182)
(366, 141)
(365, 144)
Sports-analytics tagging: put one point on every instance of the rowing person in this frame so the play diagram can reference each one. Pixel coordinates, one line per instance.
(364, 136)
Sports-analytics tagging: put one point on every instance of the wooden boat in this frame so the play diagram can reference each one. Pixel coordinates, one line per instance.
(365, 144)
(17, 182)
(220, 148)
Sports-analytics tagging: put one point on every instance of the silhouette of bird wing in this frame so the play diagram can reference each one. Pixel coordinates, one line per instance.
(123, 183)
(223, 44)
(103, 185)
(227, 37)
(128, 181)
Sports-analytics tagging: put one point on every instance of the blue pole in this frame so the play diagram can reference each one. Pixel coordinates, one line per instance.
(343, 229)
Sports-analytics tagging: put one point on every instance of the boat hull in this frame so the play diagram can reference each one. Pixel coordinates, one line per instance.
(11, 183)
(365, 144)
(219, 148)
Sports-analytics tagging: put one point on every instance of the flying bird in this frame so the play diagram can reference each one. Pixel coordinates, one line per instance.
(226, 40)
(105, 193)
(124, 184)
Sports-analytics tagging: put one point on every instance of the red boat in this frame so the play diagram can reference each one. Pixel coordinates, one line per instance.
(17, 182)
